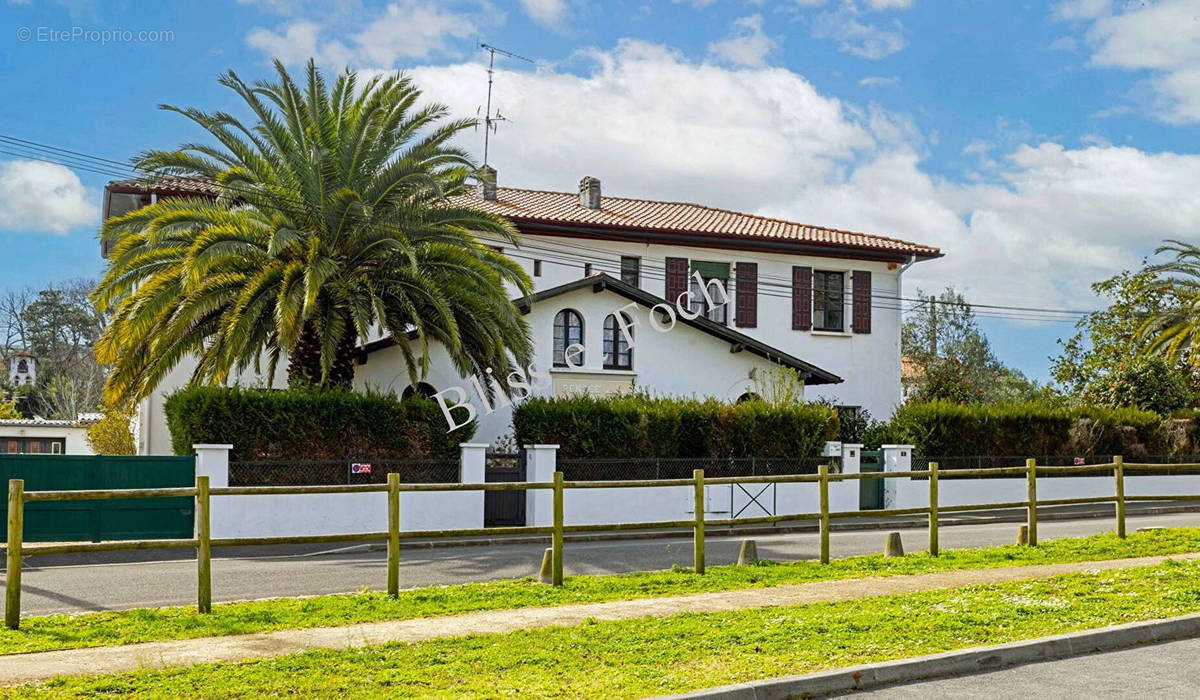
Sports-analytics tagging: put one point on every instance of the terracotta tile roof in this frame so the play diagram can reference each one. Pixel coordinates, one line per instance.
(167, 185)
(563, 208)
(539, 206)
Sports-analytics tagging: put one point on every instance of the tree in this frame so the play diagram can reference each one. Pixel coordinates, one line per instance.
(1172, 330)
(1148, 383)
(59, 327)
(953, 358)
(338, 216)
(8, 411)
(1107, 342)
(111, 435)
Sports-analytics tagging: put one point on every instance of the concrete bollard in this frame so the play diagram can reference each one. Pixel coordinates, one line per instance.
(748, 553)
(894, 547)
(547, 572)
(1023, 535)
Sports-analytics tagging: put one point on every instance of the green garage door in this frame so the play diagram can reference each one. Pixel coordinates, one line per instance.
(117, 519)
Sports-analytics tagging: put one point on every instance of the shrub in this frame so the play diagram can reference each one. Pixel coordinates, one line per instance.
(111, 435)
(310, 424)
(640, 426)
(944, 428)
(1150, 384)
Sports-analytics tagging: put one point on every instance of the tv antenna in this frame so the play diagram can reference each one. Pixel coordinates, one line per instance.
(491, 121)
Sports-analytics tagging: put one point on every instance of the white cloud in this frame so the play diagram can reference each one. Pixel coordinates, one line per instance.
(547, 12)
(879, 81)
(405, 29)
(889, 4)
(37, 196)
(1082, 9)
(746, 45)
(1064, 43)
(867, 40)
(1162, 38)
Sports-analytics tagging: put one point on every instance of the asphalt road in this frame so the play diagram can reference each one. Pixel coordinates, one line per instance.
(1160, 671)
(115, 586)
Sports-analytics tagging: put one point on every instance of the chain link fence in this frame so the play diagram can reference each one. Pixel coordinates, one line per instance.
(643, 468)
(327, 472)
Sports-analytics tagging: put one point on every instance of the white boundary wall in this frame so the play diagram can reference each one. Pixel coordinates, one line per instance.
(338, 513)
(911, 493)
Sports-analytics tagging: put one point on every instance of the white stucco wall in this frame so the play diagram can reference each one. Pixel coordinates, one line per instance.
(681, 362)
(963, 492)
(869, 363)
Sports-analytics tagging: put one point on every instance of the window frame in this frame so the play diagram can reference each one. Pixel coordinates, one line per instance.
(562, 329)
(717, 313)
(618, 353)
(832, 300)
(635, 273)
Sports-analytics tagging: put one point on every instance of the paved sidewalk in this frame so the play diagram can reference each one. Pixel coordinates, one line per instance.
(24, 668)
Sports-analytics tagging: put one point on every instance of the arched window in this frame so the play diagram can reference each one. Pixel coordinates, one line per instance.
(749, 396)
(617, 352)
(421, 389)
(568, 331)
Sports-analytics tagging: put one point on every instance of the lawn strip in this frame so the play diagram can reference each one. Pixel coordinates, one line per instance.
(634, 658)
(142, 625)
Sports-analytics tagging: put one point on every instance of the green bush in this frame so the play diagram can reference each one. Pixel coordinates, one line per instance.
(640, 426)
(944, 428)
(310, 424)
(1149, 383)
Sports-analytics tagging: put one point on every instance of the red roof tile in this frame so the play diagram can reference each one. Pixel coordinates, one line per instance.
(539, 206)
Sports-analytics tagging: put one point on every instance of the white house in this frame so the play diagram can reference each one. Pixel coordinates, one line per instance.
(822, 301)
(42, 436)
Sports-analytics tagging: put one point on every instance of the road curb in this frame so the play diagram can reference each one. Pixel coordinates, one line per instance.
(958, 663)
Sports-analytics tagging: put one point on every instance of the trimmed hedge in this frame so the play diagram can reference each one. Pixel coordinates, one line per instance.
(943, 428)
(310, 424)
(639, 426)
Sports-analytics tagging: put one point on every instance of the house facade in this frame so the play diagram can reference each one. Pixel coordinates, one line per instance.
(674, 298)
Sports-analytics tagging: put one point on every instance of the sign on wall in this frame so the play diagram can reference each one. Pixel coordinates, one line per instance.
(590, 384)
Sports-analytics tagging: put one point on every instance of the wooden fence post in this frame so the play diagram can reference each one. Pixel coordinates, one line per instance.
(393, 545)
(16, 530)
(1031, 517)
(203, 548)
(557, 578)
(1119, 476)
(823, 472)
(933, 509)
(698, 528)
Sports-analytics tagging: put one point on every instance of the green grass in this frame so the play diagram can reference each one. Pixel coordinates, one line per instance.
(128, 627)
(651, 656)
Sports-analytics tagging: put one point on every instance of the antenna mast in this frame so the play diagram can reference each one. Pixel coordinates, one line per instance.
(490, 121)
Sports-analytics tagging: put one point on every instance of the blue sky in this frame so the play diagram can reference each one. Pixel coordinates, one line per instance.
(1042, 145)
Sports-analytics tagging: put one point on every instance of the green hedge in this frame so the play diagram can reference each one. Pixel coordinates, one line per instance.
(943, 428)
(639, 426)
(310, 424)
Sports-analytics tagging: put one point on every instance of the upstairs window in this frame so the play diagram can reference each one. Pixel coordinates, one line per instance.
(715, 281)
(631, 270)
(617, 352)
(829, 295)
(568, 331)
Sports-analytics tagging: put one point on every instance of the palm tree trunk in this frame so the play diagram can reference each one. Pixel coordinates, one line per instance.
(304, 360)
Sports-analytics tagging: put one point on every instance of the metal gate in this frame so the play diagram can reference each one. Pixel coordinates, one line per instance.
(115, 519)
(504, 508)
(870, 491)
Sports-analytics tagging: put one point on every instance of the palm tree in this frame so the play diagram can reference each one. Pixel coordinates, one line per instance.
(1174, 331)
(336, 218)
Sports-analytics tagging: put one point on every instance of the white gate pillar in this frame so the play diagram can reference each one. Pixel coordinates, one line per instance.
(213, 461)
(851, 458)
(541, 461)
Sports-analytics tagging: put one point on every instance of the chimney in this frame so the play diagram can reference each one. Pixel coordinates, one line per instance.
(487, 183)
(589, 192)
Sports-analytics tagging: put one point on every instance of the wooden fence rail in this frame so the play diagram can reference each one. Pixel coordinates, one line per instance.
(203, 541)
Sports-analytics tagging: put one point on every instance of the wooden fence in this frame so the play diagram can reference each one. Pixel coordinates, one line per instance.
(203, 543)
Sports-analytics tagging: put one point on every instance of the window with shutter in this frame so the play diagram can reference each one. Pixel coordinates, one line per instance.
(801, 298)
(747, 295)
(862, 301)
(677, 278)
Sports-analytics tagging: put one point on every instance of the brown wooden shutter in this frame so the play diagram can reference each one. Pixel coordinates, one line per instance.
(677, 278)
(862, 301)
(747, 294)
(801, 298)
